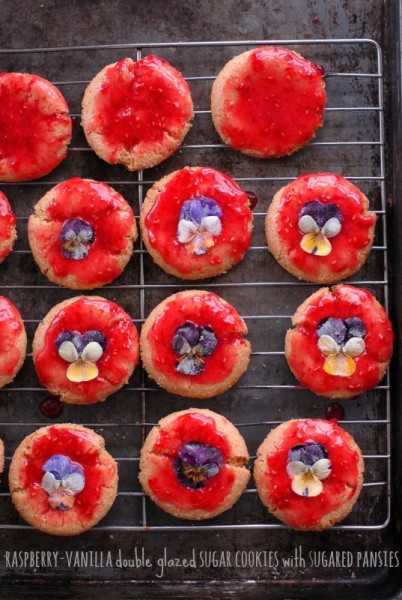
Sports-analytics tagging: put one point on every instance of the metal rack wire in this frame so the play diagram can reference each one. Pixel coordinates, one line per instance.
(364, 103)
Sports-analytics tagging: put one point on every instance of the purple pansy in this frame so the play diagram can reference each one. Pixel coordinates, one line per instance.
(319, 222)
(199, 223)
(76, 236)
(82, 351)
(341, 342)
(307, 466)
(196, 463)
(63, 479)
(193, 343)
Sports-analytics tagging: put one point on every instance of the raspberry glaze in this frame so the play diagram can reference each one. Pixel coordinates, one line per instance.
(355, 235)
(162, 219)
(11, 332)
(201, 309)
(341, 485)
(105, 211)
(164, 483)
(80, 448)
(344, 301)
(272, 105)
(8, 233)
(140, 107)
(121, 353)
(35, 128)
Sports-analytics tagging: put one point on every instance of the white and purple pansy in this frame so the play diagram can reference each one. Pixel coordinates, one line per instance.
(199, 224)
(308, 466)
(82, 351)
(63, 479)
(196, 463)
(76, 236)
(193, 343)
(341, 342)
(319, 222)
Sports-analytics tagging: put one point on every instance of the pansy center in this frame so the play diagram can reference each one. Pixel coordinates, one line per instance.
(76, 237)
(82, 351)
(199, 225)
(196, 463)
(193, 343)
(319, 222)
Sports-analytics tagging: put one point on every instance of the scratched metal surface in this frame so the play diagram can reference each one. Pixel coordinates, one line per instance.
(353, 143)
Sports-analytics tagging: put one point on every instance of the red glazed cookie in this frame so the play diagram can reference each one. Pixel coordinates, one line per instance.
(85, 349)
(62, 480)
(268, 102)
(319, 229)
(35, 128)
(8, 231)
(309, 473)
(13, 341)
(193, 464)
(196, 223)
(82, 234)
(137, 113)
(341, 342)
(192, 344)
(1, 456)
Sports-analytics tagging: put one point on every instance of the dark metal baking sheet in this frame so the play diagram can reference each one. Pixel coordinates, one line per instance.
(265, 395)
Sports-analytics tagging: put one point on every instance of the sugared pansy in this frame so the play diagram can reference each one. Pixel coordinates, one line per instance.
(82, 351)
(76, 236)
(341, 342)
(63, 479)
(193, 343)
(198, 225)
(319, 222)
(307, 466)
(196, 463)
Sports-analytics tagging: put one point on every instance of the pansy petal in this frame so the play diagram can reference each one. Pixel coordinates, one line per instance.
(307, 484)
(321, 468)
(82, 370)
(190, 365)
(92, 352)
(328, 345)
(331, 228)
(61, 499)
(196, 212)
(74, 482)
(354, 347)
(58, 464)
(316, 243)
(50, 483)
(308, 225)
(68, 352)
(185, 231)
(212, 225)
(295, 467)
(86, 235)
(340, 365)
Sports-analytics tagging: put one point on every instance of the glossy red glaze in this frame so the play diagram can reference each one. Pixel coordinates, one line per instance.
(163, 218)
(190, 427)
(122, 350)
(201, 309)
(80, 448)
(34, 126)
(8, 221)
(356, 226)
(106, 212)
(11, 329)
(275, 106)
(338, 488)
(141, 106)
(344, 301)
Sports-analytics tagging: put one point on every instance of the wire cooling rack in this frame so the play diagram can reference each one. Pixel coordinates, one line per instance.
(351, 143)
